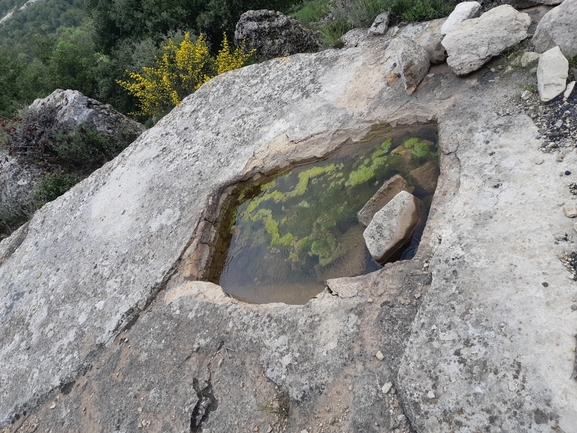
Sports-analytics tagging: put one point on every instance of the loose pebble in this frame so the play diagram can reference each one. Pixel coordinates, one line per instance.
(570, 211)
(431, 394)
(370, 300)
(386, 387)
(255, 428)
(574, 307)
(380, 355)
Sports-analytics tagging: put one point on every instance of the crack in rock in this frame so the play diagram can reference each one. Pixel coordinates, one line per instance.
(206, 404)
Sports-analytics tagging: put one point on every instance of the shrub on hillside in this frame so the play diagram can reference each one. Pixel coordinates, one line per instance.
(181, 70)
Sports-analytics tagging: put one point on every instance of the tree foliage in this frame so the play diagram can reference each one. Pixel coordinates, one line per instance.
(119, 20)
(181, 70)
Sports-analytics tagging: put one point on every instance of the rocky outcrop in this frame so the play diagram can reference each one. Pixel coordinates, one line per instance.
(474, 42)
(102, 332)
(385, 194)
(557, 28)
(62, 112)
(463, 11)
(552, 74)
(71, 109)
(273, 34)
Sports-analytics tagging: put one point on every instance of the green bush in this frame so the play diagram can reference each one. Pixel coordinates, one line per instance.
(361, 13)
(53, 185)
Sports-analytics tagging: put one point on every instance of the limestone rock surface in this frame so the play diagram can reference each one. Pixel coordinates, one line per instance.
(552, 74)
(392, 226)
(428, 35)
(380, 25)
(463, 11)
(74, 109)
(385, 194)
(474, 42)
(557, 28)
(413, 61)
(274, 34)
(525, 4)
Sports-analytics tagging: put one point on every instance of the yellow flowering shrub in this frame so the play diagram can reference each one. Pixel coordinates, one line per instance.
(181, 70)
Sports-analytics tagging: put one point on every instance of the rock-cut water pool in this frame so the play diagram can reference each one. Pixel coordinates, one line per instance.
(284, 236)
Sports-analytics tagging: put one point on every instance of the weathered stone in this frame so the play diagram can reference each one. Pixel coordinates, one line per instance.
(392, 226)
(75, 109)
(18, 180)
(552, 74)
(463, 11)
(380, 25)
(557, 28)
(425, 177)
(385, 194)
(525, 59)
(428, 35)
(354, 37)
(525, 4)
(274, 34)
(474, 42)
(569, 89)
(413, 61)
(347, 287)
(570, 211)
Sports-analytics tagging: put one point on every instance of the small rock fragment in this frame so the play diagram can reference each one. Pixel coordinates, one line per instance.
(569, 89)
(255, 428)
(431, 394)
(526, 95)
(379, 355)
(380, 25)
(386, 387)
(570, 211)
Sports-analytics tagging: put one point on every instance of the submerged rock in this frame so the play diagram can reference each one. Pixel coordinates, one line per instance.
(385, 194)
(552, 74)
(474, 42)
(425, 177)
(392, 226)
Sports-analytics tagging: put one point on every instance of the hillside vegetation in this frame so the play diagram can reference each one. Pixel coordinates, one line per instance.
(91, 45)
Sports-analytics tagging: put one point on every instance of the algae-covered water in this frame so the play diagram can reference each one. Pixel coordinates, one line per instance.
(290, 233)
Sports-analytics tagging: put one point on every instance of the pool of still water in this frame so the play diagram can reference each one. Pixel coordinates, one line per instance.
(285, 236)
